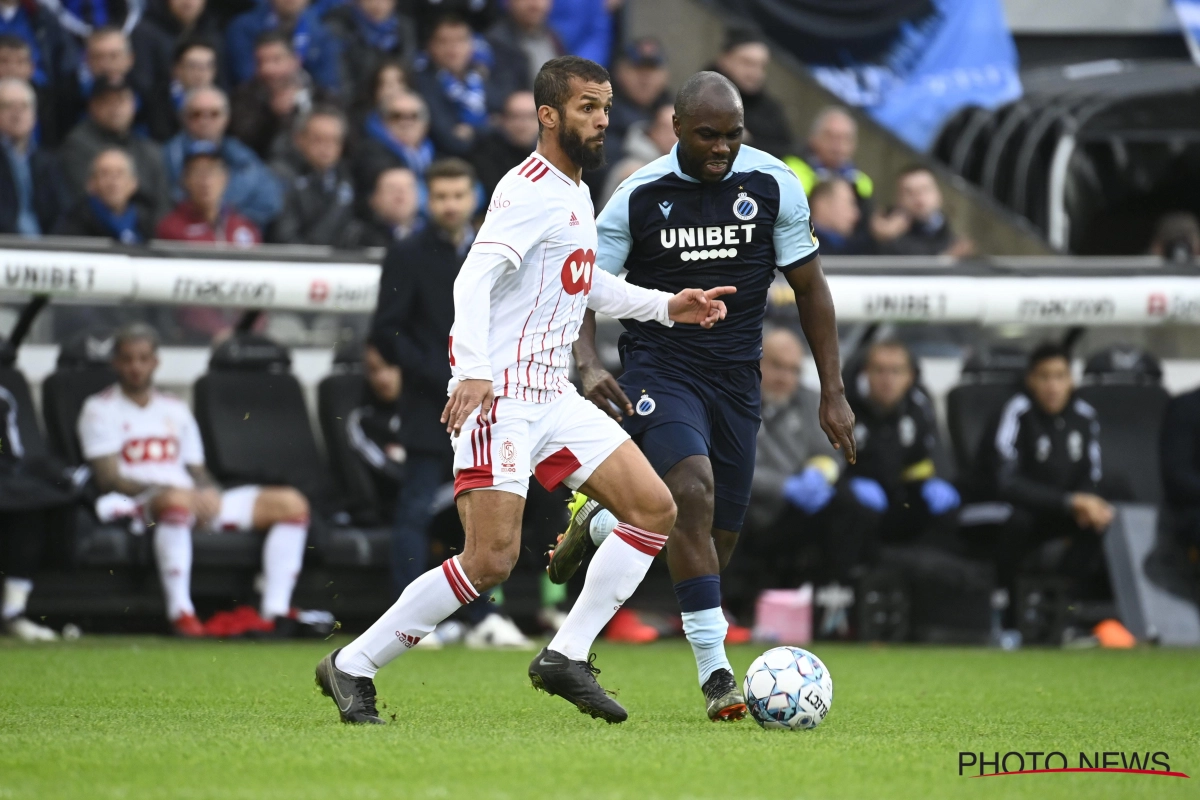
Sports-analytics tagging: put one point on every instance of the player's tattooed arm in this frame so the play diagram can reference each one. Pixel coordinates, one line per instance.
(817, 318)
(107, 470)
(202, 477)
(599, 385)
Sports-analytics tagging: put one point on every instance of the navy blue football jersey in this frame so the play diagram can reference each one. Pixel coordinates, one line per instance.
(673, 232)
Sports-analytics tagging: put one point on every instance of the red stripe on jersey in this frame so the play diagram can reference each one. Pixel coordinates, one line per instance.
(474, 450)
(451, 349)
(539, 175)
(526, 167)
(555, 467)
(541, 283)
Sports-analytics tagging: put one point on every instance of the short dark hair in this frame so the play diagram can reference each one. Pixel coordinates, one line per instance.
(1045, 352)
(696, 89)
(736, 37)
(449, 168)
(186, 44)
(134, 332)
(552, 86)
(274, 36)
(914, 169)
(10, 41)
(890, 344)
(825, 188)
(108, 30)
(451, 18)
(323, 110)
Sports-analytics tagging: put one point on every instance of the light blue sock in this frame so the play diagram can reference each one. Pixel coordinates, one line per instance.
(601, 526)
(705, 631)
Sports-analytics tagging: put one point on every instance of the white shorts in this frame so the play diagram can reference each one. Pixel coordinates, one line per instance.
(560, 442)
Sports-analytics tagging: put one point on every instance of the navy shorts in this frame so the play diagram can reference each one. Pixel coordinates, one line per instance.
(682, 411)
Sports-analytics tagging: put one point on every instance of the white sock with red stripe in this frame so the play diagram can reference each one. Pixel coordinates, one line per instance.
(283, 555)
(425, 602)
(616, 570)
(173, 552)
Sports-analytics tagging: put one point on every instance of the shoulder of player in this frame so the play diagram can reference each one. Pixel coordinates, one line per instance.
(105, 397)
(515, 189)
(751, 159)
(171, 401)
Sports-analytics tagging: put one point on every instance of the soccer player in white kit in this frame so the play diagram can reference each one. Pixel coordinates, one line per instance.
(519, 301)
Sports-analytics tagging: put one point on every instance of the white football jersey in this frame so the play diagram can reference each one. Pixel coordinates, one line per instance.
(154, 443)
(544, 224)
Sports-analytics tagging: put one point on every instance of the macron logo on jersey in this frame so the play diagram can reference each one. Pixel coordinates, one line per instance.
(665, 208)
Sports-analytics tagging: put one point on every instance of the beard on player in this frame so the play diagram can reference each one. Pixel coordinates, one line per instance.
(587, 153)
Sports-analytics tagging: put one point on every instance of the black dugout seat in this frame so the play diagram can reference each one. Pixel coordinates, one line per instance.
(256, 430)
(338, 394)
(83, 369)
(989, 378)
(1124, 385)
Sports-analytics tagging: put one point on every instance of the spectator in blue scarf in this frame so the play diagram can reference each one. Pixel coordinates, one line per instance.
(396, 135)
(253, 189)
(193, 66)
(319, 51)
(32, 194)
(454, 81)
(111, 209)
(370, 32)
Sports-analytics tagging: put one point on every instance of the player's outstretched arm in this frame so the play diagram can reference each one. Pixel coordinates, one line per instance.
(817, 318)
(599, 385)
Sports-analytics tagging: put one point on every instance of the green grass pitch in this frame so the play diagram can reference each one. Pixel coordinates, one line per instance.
(132, 718)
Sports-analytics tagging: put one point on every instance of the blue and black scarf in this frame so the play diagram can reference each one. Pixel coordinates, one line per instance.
(123, 228)
(417, 159)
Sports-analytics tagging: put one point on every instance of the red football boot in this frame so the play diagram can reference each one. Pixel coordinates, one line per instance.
(625, 626)
(188, 626)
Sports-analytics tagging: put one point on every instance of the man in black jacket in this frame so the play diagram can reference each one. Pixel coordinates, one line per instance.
(1043, 457)
(112, 208)
(319, 205)
(744, 60)
(896, 432)
(411, 330)
(510, 144)
(32, 196)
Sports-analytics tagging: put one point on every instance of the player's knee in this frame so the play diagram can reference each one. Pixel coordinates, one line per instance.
(491, 569)
(656, 511)
(173, 502)
(293, 506)
(694, 496)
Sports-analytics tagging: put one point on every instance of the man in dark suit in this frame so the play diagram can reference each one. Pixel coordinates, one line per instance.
(411, 330)
(31, 186)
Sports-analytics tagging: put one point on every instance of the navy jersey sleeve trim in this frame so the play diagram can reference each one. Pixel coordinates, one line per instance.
(800, 262)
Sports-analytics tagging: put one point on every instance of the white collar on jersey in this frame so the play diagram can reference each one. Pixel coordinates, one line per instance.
(555, 169)
(679, 170)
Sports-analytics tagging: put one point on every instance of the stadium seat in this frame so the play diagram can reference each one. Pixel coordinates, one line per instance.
(256, 429)
(338, 394)
(82, 370)
(1124, 385)
(989, 379)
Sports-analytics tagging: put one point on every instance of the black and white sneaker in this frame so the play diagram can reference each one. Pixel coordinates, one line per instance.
(354, 696)
(724, 698)
(575, 682)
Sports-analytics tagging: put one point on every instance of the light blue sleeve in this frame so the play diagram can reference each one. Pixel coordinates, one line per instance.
(612, 232)
(794, 239)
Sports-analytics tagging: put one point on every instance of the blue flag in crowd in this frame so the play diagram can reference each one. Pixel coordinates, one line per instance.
(962, 54)
(1188, 12)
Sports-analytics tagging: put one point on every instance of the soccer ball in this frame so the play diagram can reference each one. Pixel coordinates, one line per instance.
(787, 687)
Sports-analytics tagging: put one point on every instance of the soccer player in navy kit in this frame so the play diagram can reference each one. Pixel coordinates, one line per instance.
(710, 212)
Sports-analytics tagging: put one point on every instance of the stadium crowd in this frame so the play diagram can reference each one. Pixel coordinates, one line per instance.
(384, 123)
(297, 122)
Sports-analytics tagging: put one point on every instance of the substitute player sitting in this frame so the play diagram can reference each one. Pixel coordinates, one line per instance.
(145, 444)
(518, 302)
(711, 212)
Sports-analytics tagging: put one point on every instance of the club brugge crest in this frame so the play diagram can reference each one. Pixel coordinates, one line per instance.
(745, 207)
(645, 406)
